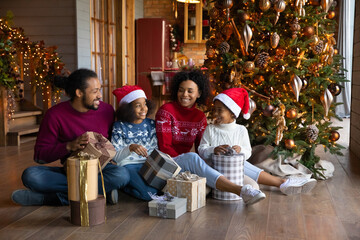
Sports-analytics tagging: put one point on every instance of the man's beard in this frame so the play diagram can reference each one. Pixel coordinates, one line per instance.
(89, 106)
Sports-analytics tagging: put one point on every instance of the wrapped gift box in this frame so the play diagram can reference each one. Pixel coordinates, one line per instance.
(78, 167)
(191, 187)
(100, 147)
(167, 209)
(158, 168)
(96, 212)
(232, 167)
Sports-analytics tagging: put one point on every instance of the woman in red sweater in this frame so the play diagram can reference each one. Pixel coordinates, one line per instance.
(180, 125)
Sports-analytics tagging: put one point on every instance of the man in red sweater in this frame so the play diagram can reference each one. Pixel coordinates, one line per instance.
(62, 131)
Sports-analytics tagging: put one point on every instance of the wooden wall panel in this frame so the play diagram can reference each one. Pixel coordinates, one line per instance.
(355, 103)
(52, 21)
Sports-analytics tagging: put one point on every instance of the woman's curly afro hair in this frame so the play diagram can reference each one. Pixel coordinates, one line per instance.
(198, 77)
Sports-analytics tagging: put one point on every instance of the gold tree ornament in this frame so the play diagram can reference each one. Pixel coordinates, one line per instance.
(291, 114)
(296, 85)
(335, 89)
(210, 53)
(305, 83)
(264, 5)
(308, 31)
(289, 143)
(243, 16)
(274, 40)
(299, 6)
(258, 79)
(331, 14)
(295, 27)
(314, 2)
(249, 66)
(326, 100)
(279, 115)
(326, 4)
(334, 136)
(247, 35)
(279, 7)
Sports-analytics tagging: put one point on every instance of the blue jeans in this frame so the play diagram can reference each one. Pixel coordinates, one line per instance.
(252, 171)
(137, 187)
(195, 164)
(44, 179)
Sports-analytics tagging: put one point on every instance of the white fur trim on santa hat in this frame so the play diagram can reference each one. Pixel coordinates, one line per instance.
(246, 116)
(229, 103)
(133, 96)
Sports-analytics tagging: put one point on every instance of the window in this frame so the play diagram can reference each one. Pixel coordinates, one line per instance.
(103, 45)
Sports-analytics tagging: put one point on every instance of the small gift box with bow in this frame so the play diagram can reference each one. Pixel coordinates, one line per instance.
(190, 186)
(166, 206)
(100, 147)
(158, 168)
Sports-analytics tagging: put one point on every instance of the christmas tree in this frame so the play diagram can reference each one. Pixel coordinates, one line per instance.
(283, 52)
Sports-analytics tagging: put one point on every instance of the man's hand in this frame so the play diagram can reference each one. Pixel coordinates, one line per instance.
(78, 144)
(138, 149)
(222, 149)
(236, 148)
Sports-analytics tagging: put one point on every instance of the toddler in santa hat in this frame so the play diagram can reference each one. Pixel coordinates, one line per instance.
(226, 133)
(133, 137)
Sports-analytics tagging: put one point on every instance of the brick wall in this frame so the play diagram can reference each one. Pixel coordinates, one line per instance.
(355, 102)
(164, 9)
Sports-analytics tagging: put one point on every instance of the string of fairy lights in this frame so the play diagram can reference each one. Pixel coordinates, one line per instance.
(23, 60)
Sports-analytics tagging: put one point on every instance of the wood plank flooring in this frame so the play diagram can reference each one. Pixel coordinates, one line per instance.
(331, 211)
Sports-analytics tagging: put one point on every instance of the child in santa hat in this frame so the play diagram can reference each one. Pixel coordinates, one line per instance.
(227, 133)
(134, 137)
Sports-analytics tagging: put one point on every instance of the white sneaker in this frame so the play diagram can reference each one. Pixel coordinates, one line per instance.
(251, 195)
(297, 185)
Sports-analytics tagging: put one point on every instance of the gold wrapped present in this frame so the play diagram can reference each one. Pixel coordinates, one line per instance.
(82, 169)
(87, 209)
(189, 186)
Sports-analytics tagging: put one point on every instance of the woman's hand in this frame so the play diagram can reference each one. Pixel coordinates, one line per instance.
(138, 149)
(78, 144)
(236, 148)
(222, 149)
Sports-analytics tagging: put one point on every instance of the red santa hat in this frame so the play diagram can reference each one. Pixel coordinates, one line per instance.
(237, 100)
(127, 94)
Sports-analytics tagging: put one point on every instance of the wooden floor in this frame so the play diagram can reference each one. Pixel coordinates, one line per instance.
(331, 211)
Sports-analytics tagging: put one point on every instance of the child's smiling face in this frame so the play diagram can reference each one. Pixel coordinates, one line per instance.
(222, 114)
(140, 109)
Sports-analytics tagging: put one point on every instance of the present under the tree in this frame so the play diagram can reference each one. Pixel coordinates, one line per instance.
(165, 207)
(232, 167)
(82, 175)
(158, 168)
(87, 208)
(95, 214)
(100, 147)
(191, 187)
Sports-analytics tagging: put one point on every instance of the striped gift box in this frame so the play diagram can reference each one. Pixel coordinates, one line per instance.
(232, 167)
(158, 168)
